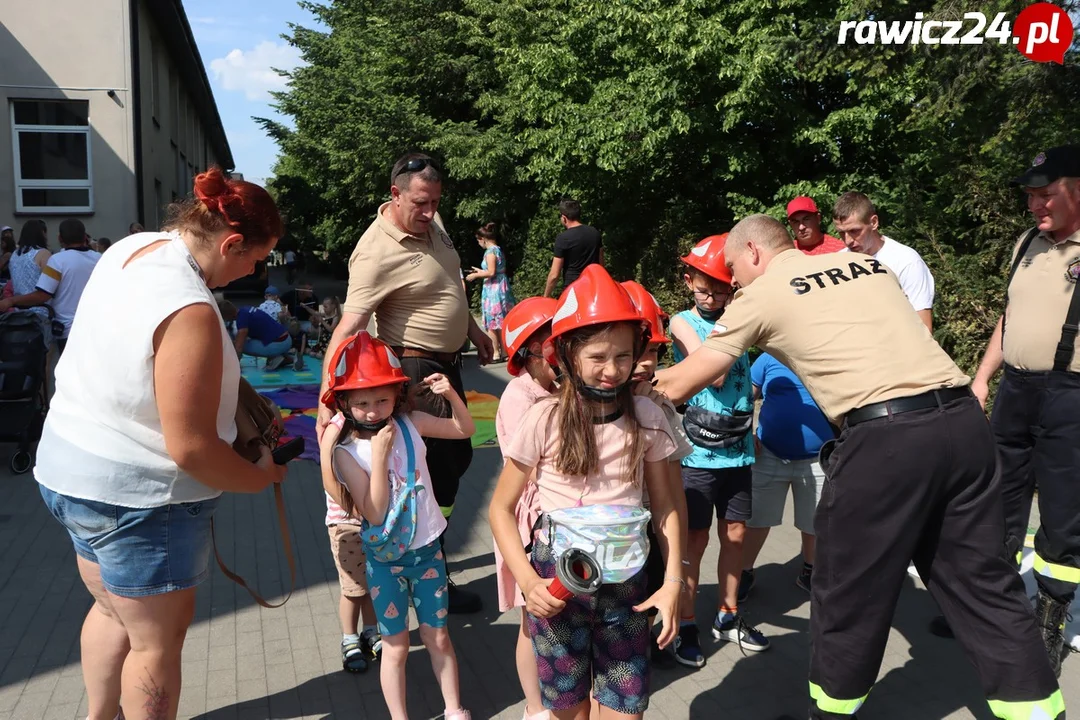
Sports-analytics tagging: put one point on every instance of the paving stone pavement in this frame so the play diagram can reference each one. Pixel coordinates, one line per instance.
(244, 662)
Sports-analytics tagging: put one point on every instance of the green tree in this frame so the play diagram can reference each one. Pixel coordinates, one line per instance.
(669, 120)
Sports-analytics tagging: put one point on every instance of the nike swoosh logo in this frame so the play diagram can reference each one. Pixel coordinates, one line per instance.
(512, 335)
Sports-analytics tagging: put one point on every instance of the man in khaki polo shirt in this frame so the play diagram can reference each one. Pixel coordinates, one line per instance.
(1036, 418)
(406, 273)
(911, 476)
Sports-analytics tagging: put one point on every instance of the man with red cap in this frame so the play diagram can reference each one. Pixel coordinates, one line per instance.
(805, 220)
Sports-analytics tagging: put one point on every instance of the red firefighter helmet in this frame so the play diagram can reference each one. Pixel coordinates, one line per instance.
(361, 362)
(708, 257)
(523, 320)
(650, 310)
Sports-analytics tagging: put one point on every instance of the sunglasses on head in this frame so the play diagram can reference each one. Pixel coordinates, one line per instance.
(416, 165)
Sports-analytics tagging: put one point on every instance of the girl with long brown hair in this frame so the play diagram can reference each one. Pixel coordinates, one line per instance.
(593, 446)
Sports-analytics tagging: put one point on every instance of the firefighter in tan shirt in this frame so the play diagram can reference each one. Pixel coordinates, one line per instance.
(911, 476)
(1041, 386)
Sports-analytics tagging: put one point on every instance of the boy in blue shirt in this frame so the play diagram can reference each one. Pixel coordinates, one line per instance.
(790, 432)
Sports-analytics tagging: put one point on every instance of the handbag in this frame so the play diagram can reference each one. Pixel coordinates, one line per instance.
(713, 430)
(612, 536)
(259, 425)
(389, 540)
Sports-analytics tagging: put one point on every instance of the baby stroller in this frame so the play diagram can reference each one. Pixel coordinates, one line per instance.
(24, 396)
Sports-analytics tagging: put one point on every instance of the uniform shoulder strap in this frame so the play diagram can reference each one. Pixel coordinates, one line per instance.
(1063, 355)
(1024, 245)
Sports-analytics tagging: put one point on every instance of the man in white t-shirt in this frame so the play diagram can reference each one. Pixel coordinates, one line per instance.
(63, 279)
(856, 221)
(290, 266)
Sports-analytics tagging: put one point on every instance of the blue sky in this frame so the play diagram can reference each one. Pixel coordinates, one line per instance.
(240, 40)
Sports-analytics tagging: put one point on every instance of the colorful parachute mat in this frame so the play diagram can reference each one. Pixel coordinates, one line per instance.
(299, 408)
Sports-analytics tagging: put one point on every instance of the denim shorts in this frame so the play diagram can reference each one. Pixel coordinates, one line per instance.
(139, 552)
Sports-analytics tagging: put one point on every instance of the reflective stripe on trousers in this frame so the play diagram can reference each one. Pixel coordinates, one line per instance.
(835, 705)
(1063, 573)
(1047, 709)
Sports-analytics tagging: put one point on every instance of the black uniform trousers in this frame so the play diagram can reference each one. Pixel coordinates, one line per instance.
(447, 460)
(1036, 422)
(920, 486)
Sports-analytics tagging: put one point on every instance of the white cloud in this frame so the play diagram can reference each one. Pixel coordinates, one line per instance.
(252, 71)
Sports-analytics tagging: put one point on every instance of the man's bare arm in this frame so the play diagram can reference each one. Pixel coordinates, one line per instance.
(685, 379)
(553, 276)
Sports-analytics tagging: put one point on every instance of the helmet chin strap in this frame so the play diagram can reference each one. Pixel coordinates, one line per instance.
(597, 394)
(710, 315)
(372, 426)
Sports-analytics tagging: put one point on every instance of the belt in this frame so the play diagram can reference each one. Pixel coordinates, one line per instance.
(929, 399)
(447, 358)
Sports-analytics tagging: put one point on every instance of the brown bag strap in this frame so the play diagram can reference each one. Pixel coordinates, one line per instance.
(286, 539)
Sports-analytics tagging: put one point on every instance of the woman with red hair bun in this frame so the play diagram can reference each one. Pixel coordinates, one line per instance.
(135, 453)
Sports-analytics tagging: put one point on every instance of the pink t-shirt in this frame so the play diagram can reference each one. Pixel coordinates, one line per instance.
(536, 444)
(520, 394)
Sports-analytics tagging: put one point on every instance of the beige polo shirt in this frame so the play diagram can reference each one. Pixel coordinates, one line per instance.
(1039, 297)
(411, 284)
(842, 323)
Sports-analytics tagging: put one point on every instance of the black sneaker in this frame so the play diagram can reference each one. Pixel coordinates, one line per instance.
(462, 602)
(746, 583)
(805, 577)
(662, 658)
(352, 657)
(688, 647)
(274, 363)
(298, 365)
(372, 644)
(738, 631)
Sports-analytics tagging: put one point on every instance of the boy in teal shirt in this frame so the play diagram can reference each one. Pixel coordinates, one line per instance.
(717, 475)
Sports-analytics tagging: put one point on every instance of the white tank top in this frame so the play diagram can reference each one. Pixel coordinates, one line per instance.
(102, 438)
(430, 523)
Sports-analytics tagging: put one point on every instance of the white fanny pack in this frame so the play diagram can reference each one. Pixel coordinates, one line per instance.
(613, 535)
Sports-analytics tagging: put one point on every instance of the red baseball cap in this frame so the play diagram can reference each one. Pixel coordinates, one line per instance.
(801, 204)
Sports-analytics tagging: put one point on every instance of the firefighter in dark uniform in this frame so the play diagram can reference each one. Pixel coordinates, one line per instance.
(1036, 417)
(911, 477)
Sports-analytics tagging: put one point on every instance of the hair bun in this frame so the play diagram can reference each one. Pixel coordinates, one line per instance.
(490, 227)
(215, 192)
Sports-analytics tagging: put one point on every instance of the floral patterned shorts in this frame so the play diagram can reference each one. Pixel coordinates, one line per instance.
(596, 643)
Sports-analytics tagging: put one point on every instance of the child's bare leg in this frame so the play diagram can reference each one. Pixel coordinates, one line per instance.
(527, 672)
(607, 713)
(443, 663)
(349, 613)
(581, 712)
(392, 673)
(367, 611)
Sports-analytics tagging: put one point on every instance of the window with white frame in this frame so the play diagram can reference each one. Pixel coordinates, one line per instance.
(51, 149)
